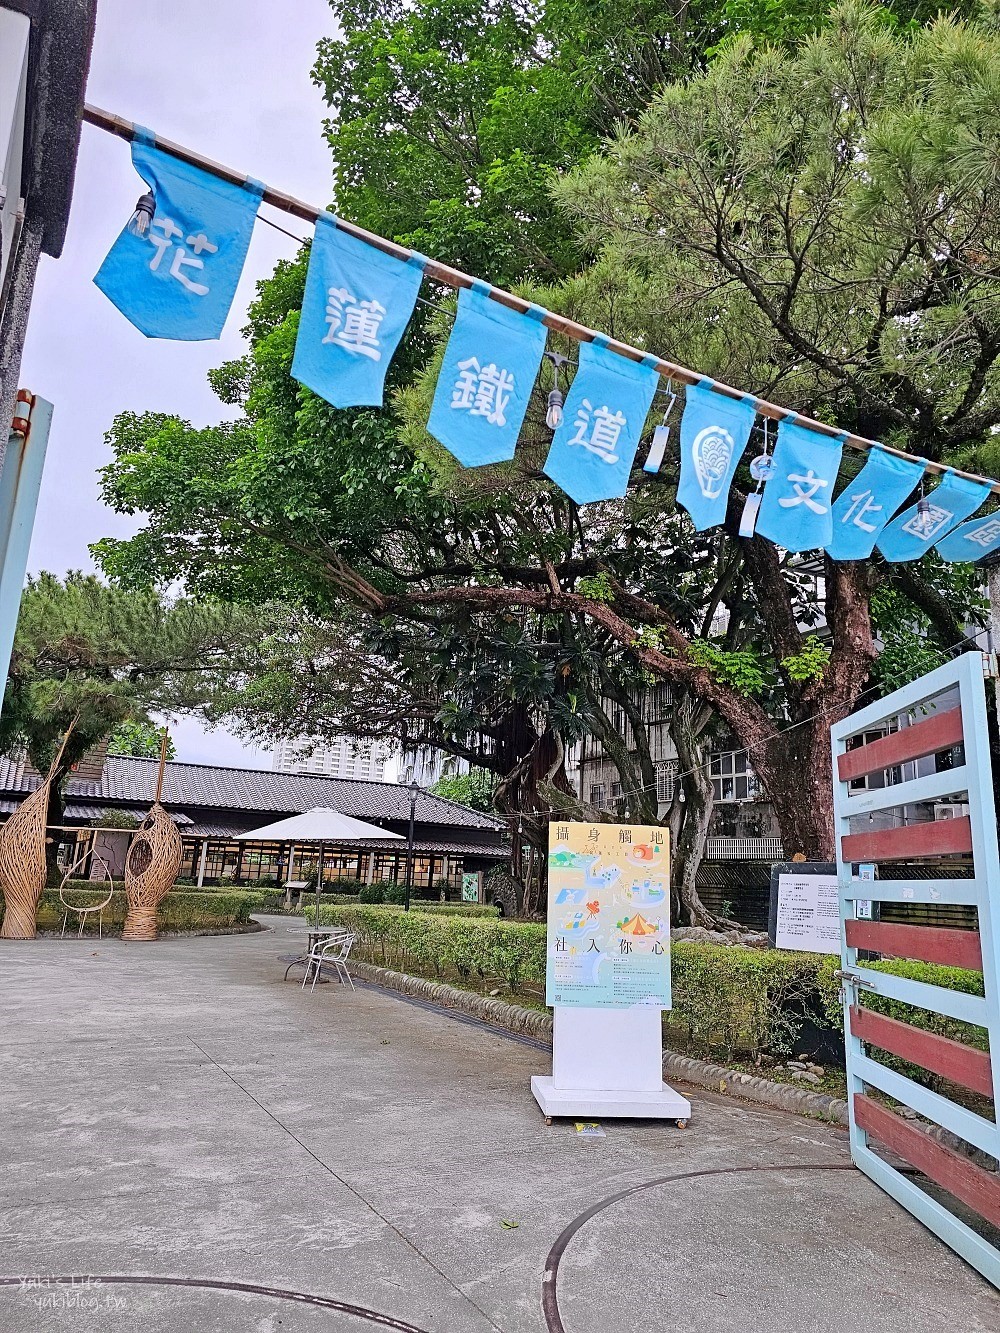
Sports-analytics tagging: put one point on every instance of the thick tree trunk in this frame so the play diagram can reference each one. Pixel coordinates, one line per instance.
(688, 730)
(797, 775)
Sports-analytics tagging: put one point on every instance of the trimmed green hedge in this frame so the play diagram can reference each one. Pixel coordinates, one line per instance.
(179, 910)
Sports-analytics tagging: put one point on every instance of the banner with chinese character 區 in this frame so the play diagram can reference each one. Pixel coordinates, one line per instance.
(357, 305)
(486, 378)
(178, 278)
(608, 942)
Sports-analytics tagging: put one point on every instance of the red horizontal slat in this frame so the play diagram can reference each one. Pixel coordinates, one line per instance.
(929, 944)
(953, 1060)
(977, 1188)
(937, 837)
(940, 732)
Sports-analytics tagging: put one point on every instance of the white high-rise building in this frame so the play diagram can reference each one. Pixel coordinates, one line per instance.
(344, 757)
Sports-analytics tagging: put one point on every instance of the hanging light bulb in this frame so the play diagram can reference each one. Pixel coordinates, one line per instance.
(138, 223)
(554, 410)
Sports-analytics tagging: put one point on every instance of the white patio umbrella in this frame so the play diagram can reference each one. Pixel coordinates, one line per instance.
(321, 825)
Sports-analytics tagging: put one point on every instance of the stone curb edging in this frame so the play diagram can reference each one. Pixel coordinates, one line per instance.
(531, 1023)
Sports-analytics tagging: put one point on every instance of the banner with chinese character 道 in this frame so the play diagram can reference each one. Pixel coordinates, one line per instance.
(714, 433)
(178, 280)
(357, 305)
(608, 939)
(867, 503)
(798, 495)
(485, 384)
(593, 449)
(918, 528)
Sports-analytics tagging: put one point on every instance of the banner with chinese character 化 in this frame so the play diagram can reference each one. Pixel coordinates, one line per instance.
(178, 279)
(486, 378)
(916, 530)
(867, 503)
(593, 449)
(608, 943)
(357, 305)
(798, 496)
(714, 433)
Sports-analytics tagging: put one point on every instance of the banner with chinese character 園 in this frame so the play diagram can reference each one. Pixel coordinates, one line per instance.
(714, 433)
(608, 939)
(357, 305)
(486, 378)
(973, 540)
(594, 447)
(918, 528)
(867, 503)
(178, 279)
(798, 495)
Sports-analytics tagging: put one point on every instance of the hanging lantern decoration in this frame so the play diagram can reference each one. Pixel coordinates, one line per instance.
(151, 865)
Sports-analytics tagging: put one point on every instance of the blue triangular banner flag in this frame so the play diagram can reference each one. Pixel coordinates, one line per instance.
(594, 447)
(867, 503)
(798, 496)
(714, 433)
(357, 305)
(917, 529)
(973, 540)
(178, 279)
(486, 378)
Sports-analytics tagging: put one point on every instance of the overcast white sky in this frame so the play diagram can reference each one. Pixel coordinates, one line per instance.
(232, 79)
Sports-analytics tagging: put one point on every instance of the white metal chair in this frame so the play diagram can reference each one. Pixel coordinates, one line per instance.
(330, 935)
(84, 912)
(335, 951)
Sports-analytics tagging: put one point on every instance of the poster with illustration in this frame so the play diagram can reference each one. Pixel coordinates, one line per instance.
(608, 944)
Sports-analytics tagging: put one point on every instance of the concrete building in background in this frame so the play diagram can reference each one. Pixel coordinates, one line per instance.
(341, 758)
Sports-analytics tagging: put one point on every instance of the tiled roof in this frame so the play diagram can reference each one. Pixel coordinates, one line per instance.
(195, 787)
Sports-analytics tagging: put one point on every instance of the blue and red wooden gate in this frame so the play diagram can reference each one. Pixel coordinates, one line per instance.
(913, 789)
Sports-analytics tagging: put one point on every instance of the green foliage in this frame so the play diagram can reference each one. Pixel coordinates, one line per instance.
(810, 663)
(598, 587)
(117, 819)
(474, 789)
(179, 911)
(741, 669)
(371, 893)
(141, 738)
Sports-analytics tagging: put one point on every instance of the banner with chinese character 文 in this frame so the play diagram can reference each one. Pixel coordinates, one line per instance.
(489, 369)
(973, 540)
(798, 496)
(593, 449)
(867, 503)
(178, 279)
(918, 528)
(714, 433)
(608, 936)
(357, 304)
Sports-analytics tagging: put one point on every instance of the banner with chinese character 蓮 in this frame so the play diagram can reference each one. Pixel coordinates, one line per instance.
(486, 378)
(178, 278)
(608, 939)
(918, 528)
(798, 496)
(867, 503)
(358, 302)
(714, 433)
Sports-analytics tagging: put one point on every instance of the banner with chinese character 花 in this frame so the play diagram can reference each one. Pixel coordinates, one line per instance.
(178, 278)
(798, 496)
(357, 305)
(714, 433)
(486, 378)
(867, 503)
(608, 941)
(918, 528)
(594, 447)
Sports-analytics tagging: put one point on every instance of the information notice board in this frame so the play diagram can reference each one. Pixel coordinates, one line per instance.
(608, 942)
(805, 913)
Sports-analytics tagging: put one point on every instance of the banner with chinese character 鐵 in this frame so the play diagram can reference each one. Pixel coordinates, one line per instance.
(486, 378)
(593, 449)
(798, 496)
(714, 433)
(357, 305)
(973, 540)
(179, 279)
(608, 938)
(867, 503)
(918, 528)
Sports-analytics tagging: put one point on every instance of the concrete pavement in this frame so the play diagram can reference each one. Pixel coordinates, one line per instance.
(176, 1111)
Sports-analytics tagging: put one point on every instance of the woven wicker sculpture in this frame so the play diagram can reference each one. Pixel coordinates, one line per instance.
(151, 865)
(23, 871)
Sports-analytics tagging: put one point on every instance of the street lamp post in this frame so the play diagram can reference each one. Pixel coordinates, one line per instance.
(414, 793)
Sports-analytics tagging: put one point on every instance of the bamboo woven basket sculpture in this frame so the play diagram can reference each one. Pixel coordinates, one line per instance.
(23, 871)
(151, 865)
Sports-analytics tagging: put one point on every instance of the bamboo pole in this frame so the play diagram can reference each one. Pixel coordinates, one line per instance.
(454, 277)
